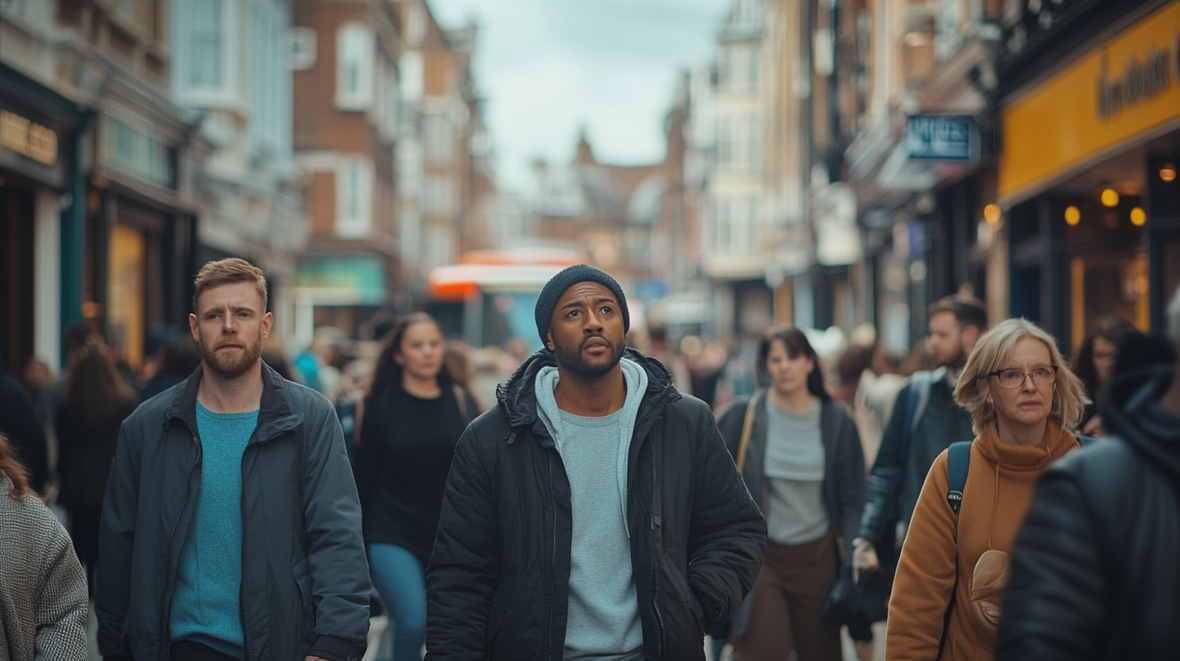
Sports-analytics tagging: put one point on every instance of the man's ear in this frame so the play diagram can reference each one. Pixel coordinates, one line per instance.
(549, 340)
(970, 335)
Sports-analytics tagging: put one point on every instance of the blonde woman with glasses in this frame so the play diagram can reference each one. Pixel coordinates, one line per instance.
(1023, 401)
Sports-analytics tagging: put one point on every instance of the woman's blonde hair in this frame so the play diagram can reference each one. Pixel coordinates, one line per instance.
(994, 347)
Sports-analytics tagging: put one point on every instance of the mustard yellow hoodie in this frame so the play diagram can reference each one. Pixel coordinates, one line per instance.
(996, 498)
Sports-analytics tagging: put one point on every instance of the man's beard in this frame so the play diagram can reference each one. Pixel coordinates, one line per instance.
(229, 366)
(572, 361)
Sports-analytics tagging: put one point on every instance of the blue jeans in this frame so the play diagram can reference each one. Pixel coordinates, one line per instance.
(401, 583)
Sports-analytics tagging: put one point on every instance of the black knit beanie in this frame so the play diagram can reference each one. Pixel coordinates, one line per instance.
(566, 279)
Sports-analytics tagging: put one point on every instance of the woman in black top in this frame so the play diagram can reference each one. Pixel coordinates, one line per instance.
(413, 417)
(94, 403)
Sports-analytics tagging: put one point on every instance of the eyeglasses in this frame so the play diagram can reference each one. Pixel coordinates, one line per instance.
(1011, 377)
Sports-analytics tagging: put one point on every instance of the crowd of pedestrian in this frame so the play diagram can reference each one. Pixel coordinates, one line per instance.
(228, 502)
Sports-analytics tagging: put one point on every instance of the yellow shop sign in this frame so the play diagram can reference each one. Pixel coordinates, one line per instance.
(1127, 88)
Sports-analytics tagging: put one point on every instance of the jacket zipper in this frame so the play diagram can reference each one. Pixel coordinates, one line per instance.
(552, 561)
(655, 570)
(165, 605)
(242, 587)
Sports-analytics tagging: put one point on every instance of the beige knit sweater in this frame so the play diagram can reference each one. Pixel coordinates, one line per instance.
(42, 585)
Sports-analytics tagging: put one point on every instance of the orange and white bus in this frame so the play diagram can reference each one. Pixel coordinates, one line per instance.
(489, 296)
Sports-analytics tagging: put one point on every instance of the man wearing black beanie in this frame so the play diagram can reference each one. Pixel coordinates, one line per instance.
(595, 512)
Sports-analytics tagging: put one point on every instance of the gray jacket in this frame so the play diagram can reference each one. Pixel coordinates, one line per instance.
(305, 581)
(844, 463)
(42, 586)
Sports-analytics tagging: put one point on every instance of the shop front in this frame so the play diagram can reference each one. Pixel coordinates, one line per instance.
(141, 228)
(37, 175)
(1087, 176)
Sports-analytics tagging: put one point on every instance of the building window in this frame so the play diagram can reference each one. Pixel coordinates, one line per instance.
(438, 195)
(303, 48)
(206, 57)
(738, 67)
(354, 199)
(409, 168)
(354, 67)
(739, 144)
(439, 140)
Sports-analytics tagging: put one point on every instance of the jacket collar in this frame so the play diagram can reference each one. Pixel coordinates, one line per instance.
(275, 415)
(518, 400)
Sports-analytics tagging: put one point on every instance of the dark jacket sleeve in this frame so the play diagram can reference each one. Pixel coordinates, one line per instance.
(727, 536)
(849, 474)
(1053, 605)
(465, 565)
(112, 589)
(884, 481)
(339, 568)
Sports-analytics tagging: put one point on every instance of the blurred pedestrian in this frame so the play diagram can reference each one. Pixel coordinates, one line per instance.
(275, 356)
(925, 420)
(594, 513)
(36, 375)
(1094, 363)
(231, 527)
(77, 335)
(179, 357)
(26, 436)
(414, 415)
(1023, 400)
(800, 454)
(42, 586)
(94, 404)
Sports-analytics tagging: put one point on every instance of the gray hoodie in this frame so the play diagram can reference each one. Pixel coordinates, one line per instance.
(603, 612)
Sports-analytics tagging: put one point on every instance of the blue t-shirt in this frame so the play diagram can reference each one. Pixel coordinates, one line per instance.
(205, 603)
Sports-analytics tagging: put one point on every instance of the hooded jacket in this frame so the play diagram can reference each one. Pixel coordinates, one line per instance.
(305, 580)
(1095, 573)
(941, 546)
(498, 583)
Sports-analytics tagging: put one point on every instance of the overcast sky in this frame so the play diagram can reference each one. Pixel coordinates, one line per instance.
(548, 67)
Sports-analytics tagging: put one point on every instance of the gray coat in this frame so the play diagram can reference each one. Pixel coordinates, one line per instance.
(844, 467)
(305, 580)
(42, 586)
(844, 462)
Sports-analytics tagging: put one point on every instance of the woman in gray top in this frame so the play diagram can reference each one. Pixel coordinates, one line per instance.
(802, 461)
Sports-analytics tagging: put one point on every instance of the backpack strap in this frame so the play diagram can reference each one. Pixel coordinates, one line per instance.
(1086, 440)
(747, 426)
(957, 461)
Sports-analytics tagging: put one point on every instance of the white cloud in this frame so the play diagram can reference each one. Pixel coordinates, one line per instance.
(549, 67)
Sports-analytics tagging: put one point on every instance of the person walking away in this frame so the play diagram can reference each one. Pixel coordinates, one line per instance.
(594, 513)
(1094, 571)
(1094, 363)
(415, 415)
(803, 462)
(94, 403)
(925, 420)
(1023, 400)
(231, 527)
(26, 436)
(42, 585)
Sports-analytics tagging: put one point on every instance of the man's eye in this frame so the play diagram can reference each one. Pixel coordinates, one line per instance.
(605, 309)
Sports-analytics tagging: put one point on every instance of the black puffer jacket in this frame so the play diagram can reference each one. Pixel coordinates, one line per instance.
(498, 584)
(1094, 572)
(305, 579)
